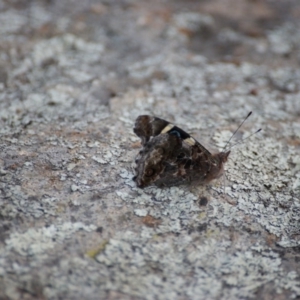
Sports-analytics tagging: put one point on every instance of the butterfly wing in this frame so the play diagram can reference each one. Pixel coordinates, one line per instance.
(146, 127)
(152, 159)
(190, 165)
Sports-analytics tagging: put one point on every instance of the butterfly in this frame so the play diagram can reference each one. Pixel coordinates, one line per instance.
(170, 156)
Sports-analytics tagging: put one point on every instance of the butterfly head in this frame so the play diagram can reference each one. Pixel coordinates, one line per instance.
(222, 157)
(217, 165)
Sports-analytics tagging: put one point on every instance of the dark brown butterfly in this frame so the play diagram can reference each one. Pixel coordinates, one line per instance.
(170, 156)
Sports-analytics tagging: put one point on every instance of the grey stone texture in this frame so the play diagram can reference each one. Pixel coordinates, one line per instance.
(74, 75)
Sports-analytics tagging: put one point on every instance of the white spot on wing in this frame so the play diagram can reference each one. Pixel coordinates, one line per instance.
(190, 141)
(167, 128)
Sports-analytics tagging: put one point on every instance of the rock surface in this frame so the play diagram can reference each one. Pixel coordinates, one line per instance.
(74, 75)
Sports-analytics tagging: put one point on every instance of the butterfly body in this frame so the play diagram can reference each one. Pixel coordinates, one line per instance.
(170, 156)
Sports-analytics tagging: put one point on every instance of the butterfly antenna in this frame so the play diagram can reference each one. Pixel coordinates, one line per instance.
(249, 114)
(247, 137)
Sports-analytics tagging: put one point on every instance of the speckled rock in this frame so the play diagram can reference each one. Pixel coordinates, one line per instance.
(74, 75)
